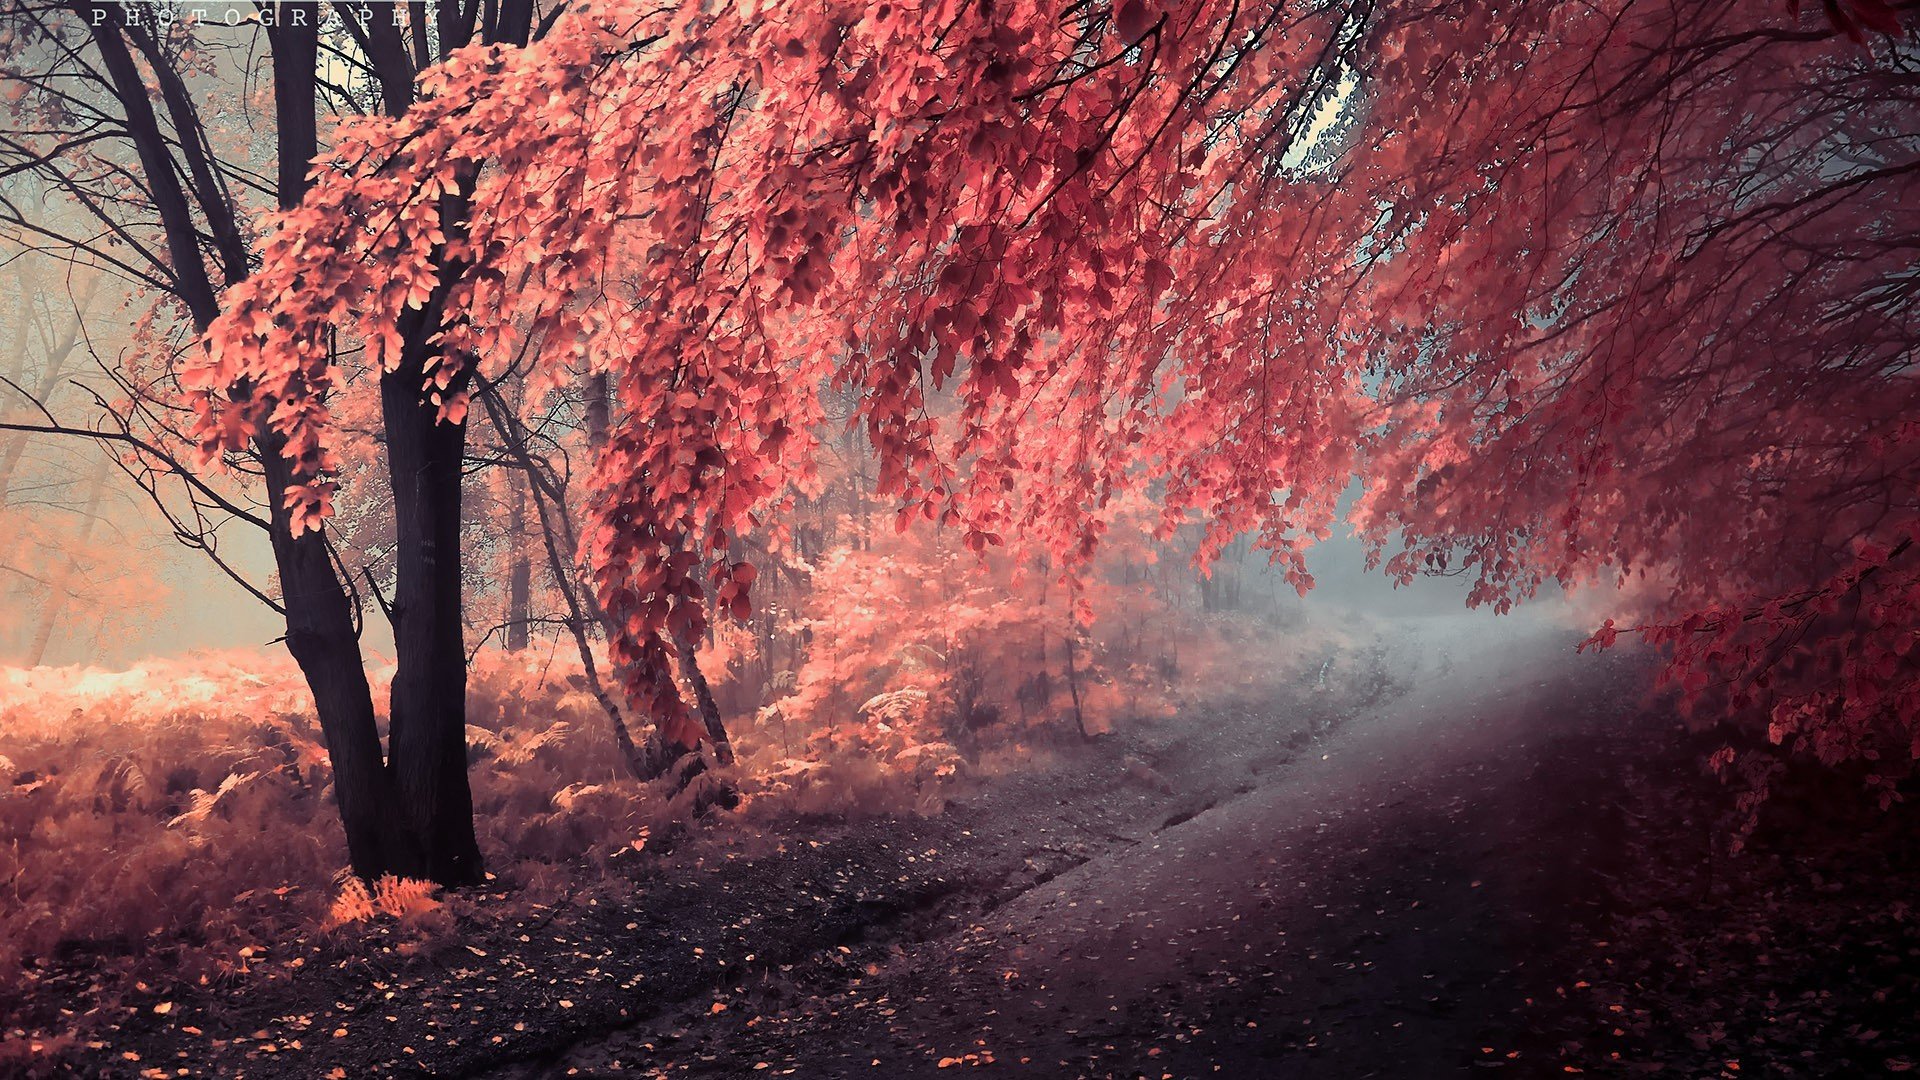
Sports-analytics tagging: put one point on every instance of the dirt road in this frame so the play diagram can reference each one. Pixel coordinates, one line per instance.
(1365, 910)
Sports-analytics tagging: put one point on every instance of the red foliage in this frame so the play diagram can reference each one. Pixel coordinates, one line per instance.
(1581, 291)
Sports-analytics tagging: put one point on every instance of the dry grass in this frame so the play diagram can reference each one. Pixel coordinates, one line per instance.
(157, 822)
(176, 812)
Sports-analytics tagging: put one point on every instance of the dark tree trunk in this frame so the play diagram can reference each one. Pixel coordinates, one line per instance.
(557, 538)
(599, 392)
(321, 637)
(703, 697)
(428, 736)
(1073, 688)
(427, 743)
(411, 814)
(520, 568)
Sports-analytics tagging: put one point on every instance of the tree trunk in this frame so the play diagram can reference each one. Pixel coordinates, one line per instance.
(703, 696)
(427, 739)
(413, 815)
(598, 391)
(321, 630)
(1073, 688)
(323, 641)
(520, 567)
(652, 759)
(558, 540)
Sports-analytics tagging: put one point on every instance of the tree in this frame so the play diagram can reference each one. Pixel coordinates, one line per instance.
(712, 232)
(131, 141)
(1651, 320)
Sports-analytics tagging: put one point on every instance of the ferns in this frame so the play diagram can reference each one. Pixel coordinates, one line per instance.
(191, 802)
(203, 802)
(401, 898)
(514, 752)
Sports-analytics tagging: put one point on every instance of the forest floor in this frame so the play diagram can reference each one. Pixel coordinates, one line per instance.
(1456, 848)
